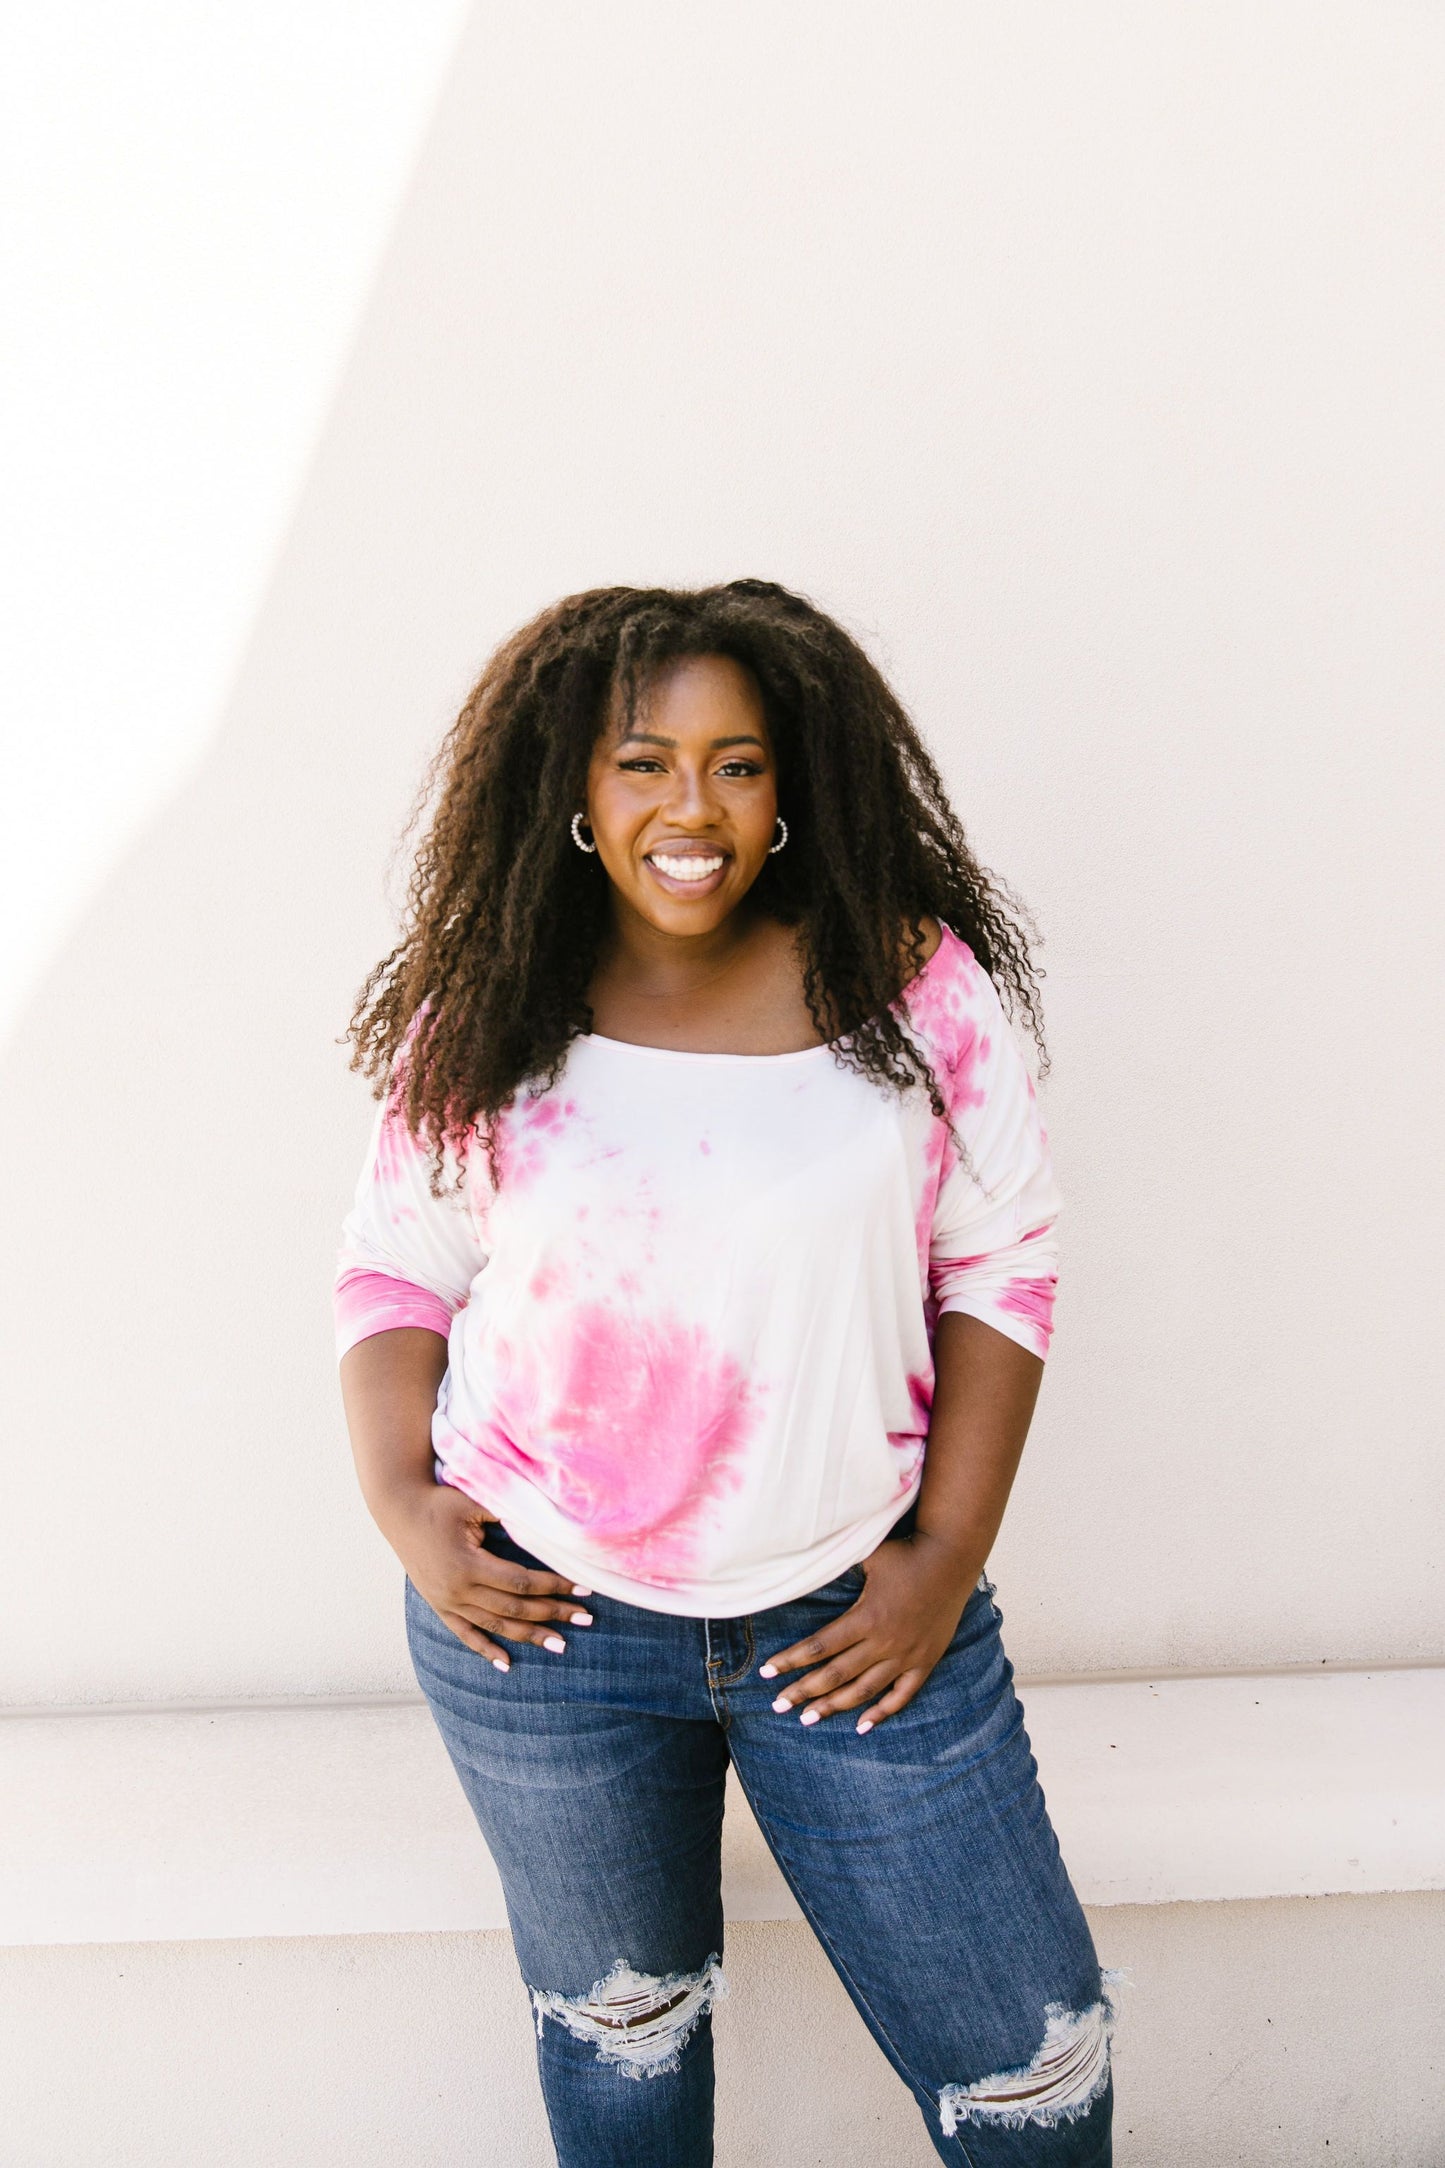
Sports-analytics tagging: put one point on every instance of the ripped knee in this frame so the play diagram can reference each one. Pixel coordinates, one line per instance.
(638, 2022)
(1061, 2083)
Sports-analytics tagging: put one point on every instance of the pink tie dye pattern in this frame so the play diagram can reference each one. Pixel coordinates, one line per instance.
(632, 1426)
(524, 1132)
(367, 1302)
(1032, 1300)
(692, 1353)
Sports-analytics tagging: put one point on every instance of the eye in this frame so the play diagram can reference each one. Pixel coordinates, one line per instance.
(642, 761)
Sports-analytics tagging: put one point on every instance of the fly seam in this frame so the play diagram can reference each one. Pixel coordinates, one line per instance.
(715, 1694)
(731, 1678)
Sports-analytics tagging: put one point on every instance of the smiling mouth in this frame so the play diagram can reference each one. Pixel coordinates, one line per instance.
(688, 872)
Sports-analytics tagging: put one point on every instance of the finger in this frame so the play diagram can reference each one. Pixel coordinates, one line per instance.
(523, 1580)
(898, 1697)
(511, 1629)
(822, 1681)
(504, 1604)
(829, 1641)
(849, 1696)
(468, 1633)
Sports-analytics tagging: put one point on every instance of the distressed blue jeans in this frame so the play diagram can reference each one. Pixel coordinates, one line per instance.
(921, 1854)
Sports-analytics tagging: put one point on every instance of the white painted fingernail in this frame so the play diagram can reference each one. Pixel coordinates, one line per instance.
(767, 1671)
(554, 1641)
(865, 1723)
(581, 1591)
(810, 1716)
(781, 1704)
(581, 1618)
(501, 1663)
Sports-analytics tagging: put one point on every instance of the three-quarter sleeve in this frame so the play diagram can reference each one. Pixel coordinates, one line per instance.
(993, 1250)
(406, 1257)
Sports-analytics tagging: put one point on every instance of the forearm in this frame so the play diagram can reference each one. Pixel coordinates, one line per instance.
(985, 1387)
(389, 1384)
(915, 1589)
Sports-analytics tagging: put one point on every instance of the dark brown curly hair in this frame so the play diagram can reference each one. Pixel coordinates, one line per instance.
(487, 986)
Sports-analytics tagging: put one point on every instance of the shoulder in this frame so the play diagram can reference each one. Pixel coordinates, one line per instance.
(932, 933)
(927, 930)
(951, 1002)
(947, 959)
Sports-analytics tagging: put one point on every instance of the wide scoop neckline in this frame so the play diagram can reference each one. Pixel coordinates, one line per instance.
(799, 1053)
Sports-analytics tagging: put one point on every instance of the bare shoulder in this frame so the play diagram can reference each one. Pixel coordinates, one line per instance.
(911, 964)
(932, 934)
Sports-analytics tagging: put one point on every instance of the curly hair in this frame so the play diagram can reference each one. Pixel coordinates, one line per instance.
(487, 986)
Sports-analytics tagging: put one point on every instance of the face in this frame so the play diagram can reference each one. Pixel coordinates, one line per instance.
(683, 809)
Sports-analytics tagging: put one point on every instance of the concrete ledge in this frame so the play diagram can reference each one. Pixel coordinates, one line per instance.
(344, 1817)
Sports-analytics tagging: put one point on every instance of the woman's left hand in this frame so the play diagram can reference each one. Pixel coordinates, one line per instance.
(886, 1643)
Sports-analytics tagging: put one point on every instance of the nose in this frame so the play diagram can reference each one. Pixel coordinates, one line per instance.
(691, 802)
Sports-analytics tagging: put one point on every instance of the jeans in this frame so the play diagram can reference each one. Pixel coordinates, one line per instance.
(920, 1853)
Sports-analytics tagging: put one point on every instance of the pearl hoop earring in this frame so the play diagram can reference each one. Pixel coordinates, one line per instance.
(773, 848)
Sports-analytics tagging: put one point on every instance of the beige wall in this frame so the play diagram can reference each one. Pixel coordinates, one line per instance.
(1264, 2036)
(1088, 364)
(192, 201)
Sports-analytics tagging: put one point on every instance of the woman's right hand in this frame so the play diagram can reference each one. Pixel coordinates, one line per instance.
(439, 1534)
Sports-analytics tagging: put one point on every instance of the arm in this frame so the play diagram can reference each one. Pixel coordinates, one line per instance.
(882, 1649)
(389, 1385)
(983, 1403)
(993, 1264)
(406, 1266)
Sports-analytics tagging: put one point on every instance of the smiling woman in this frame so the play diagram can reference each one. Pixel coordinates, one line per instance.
(699, 811)
(701, 1269)
(694, 819)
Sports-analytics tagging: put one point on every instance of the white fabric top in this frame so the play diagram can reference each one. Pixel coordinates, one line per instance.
(690, 1335)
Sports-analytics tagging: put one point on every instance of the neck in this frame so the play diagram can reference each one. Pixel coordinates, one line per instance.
(653, 962)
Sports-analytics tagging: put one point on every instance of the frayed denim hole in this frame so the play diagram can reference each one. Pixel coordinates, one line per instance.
(1061, 2084)
(638, 2023)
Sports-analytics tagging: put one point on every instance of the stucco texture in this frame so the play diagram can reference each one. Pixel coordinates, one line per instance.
(1251, 2033)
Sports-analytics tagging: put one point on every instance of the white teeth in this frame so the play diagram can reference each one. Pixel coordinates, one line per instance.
(685, 869)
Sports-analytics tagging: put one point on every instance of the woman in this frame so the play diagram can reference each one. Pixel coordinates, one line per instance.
(691, 1315)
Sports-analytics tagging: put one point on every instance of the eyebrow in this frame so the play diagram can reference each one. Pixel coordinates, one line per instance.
(651, 737)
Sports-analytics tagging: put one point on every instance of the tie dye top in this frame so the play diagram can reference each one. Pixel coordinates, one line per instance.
(690, 1333)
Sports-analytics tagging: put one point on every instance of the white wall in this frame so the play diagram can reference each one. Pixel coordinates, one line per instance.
(1087, 362)
(191, 206)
